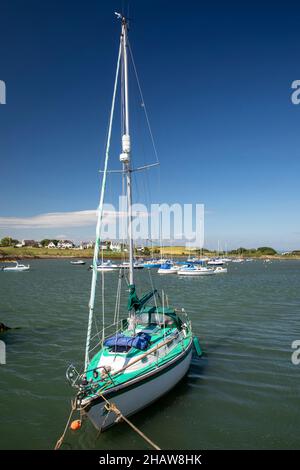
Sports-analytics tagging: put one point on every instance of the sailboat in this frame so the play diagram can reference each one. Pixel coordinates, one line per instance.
(195, 270)
(145, 354)
(105, 266)
(168, 268)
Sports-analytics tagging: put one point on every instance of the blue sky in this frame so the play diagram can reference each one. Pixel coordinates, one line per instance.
(216, 79)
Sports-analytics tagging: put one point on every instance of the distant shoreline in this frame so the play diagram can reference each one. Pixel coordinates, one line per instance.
(11, 253)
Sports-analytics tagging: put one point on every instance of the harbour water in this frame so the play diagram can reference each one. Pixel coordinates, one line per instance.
(243, 394)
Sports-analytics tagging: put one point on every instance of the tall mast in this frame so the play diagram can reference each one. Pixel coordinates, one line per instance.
(126, 147)
(100, 217)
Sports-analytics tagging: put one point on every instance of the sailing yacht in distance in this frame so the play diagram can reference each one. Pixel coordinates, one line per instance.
(148, 351)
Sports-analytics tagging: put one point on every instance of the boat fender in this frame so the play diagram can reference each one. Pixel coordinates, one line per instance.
(75, 425)
(197, 346)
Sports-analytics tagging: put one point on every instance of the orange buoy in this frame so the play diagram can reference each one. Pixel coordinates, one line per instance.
(75, 425)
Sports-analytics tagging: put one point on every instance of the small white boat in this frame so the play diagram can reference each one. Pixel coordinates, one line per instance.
(215, 262)
(168, 268)
(106, 266)
(237, 260)
(192, 270)
(17, 267)
(136, 265)
(78, 262)
(220, 270)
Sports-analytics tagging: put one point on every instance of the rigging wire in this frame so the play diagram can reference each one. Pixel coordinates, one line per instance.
(143, 102)
(147, 184)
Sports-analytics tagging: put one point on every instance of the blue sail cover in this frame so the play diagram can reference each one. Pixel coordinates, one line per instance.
(166, 266)
(140, 341)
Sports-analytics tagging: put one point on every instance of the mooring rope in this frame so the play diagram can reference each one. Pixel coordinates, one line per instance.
(61, 439)
(111, 407)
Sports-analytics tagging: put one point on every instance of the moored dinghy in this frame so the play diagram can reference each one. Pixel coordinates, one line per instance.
(220, 270)
(143, 356)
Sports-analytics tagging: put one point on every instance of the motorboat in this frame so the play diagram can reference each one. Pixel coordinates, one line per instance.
(16, 267)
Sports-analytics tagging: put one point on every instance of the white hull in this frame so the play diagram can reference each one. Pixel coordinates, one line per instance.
(17, 268)
(220, 270)
(168, 271)
(135, 266)
(141, 396)
(196, 272)
(105, 268)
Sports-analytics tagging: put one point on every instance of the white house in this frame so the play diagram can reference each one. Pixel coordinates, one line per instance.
(51, 245)
(65, 244)
(86, 245)
(115, 246)
(29, 243)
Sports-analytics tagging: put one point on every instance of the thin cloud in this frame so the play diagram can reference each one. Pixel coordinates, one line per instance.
(60, 219)
(51, 220)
